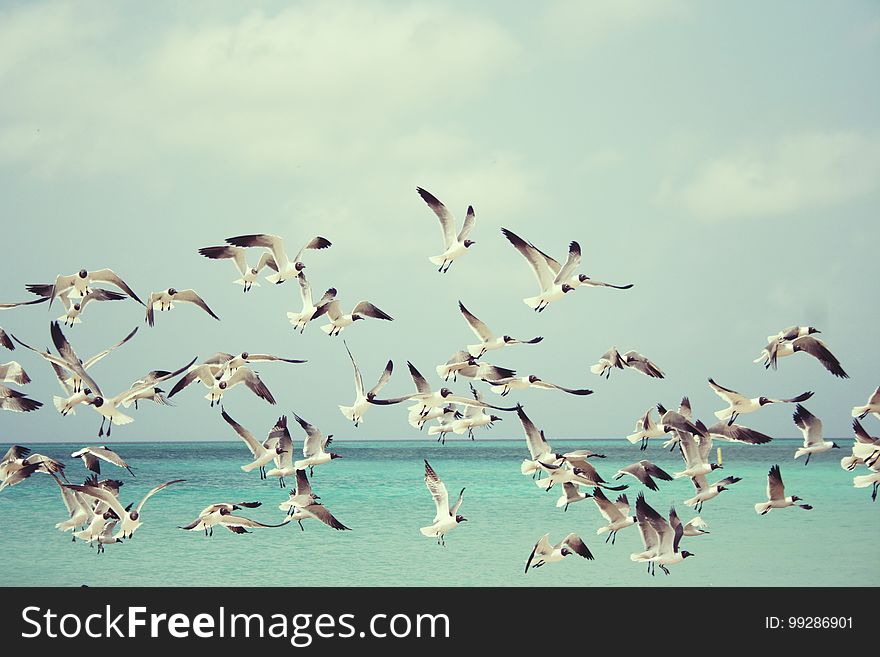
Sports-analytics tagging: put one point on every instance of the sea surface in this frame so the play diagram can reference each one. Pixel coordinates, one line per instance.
(378, 490)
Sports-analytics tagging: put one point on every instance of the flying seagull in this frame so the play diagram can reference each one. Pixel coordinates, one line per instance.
(660, 538)
(227, 364)
(552, 282)
(339, 320)
(617, 514)
(283, 266)
(644, 471)
(238, 256)
(92, 457)
(505, 385)
(776, 497)
(865, 449)
(544, 553)
(78, 285)
(166, 299)
(263, 453)
(873, 406)
(222, 514)
(488, 340)
(454, 246)
(314, 447)
(447, 517)
(705, 492)
(303, 504)
(607, 362)
(74, 308)
(811, 428)
(206, 373)
(309, 308)
(355, 412)
(781, 347)
(739, 404)
(463, 364)
(474, 417)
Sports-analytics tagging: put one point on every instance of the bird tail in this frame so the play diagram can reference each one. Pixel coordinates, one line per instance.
(475, 350)
(327, 328)
(433, 431)
(679, 475)
(441, 371)
(437, 260)
(723, 414)
(562, 501)
(543, 483)
(301, 465)
(635, 437)
(762, 507)
(799, 452)
(274, 278)
(849, 462)
(598, 368)
(863, 481)
(858, 411)
(532, 302)
(428, 531)
(528, 467)
(61, 404)
(249, 467)
(348, 412)
(497, 389)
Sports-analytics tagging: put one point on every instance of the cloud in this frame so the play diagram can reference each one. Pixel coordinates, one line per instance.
(796, 173)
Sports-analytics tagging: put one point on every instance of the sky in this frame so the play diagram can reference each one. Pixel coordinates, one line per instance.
(723, 157)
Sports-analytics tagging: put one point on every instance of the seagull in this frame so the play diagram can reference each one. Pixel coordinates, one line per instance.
(660, 538)
(355, 412)
(646, 428)
(79, 511)
(238, 256)
(166, 299)
(539, 449)
(280, 437)
(283, 266)
(696, 456)
(696, 527)
(318, 512)
(454, 246)
(552, 282)
(228, 363)
(131, 519)
(780, 348)
(776, 498)
(570, 494)
(444, 424)
(19, 463)
(737, 433)
(73, 309)
(78, 285)
(303, 504)
(12, 372)
(608, 361)
(576, 470)
(636, 361)
(146, 390)
(263, 452)
(873, 480)
(865, 450)
(221, 514)
(314, 447)
(792, 333)
(616, 513)
(544, 553)
(644, 471)
(739, 404)
(92, 457)
(705, 492)
(505, 385)
(340, 320)
(206, 373)
(447, 517)
(309, 309)
(13, 400)
(474, 417)
(488, 340)
(676, 421)
(873, 406)
(463, 364)
(811, 427)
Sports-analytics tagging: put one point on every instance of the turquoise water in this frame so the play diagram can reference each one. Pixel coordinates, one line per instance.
(377, 489)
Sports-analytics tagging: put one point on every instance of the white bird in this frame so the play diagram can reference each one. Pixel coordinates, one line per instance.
(636, 361)
(13, 400)
(705, 492)
(617, 514)
(792, 333)
(505, 385)
(92, 457)
(228, 363)
(283, 266)
(865, 449)
(776, 497)
(444, 424)
(73, 309)
(316, 512)
(607, 362)
(574, 470)
(488, 340)
(238, 256)
(872, 479)
(79, 511)
(474, 417)
(553, 283)
(314, 447)
(695, 455)
(355, 412)
(454, 246)
(309, 308)
(696, 527)
(303, 504)
(79, 284)
(447, 517)
(571, 494)
(739, 404)
(644, 471)
(544, 553)
(811, 428)
(463, 364)
(339, 320)
(221, 514)
(12, 372)
(646, 429)
(280, 437)
(873, 406)
(166, 299)
(207, 373)
(263, 453)
(660, 538)
(781, 347)
(130, 519)
(19, 464)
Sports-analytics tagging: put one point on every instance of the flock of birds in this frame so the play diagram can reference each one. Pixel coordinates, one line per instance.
(98, 516)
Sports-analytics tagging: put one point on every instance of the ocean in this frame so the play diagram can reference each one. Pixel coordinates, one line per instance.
(378, 490)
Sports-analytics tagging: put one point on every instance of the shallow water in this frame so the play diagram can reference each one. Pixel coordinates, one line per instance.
(378, 490)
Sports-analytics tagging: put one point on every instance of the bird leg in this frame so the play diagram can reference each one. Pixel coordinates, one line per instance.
(109, 426)
(874, 492)
(614, 537)
(101, 429)
(608, 538)
(664, 569)
(565, 508)
(808, 458)
(299, 522)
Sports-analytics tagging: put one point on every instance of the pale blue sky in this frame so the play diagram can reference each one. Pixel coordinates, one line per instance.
(724, 157)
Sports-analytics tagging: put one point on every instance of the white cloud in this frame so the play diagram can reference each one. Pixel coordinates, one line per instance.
(795, 173)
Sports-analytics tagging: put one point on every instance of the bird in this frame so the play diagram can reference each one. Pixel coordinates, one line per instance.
(607, 362)
(302, 504)
(705, 492)
(488, 340)
(552, 282)
(78, 284)
(355, 412)
(696, 527)
(79, 510)
(447, 517)
(573, 469)
(227, 364)
(737, 433)
(571, 493)
(73, 309)
(780, 347)
(279, 436)
(263, 453)
(144, 389)
(309, 308)
(221, 514)
(463, 364)
(776, 498)
(474, 417)
(206, 373)
(811, 428)
(13, 372)
(635, 361)
(505, 385)
(539, 449)
(130, 518)
(13, 400)
(300, 496)
(617, 514)
(873, 406)
(454, 245)
(739, 404)
(696, 456)
(238, 256)
(544, 553)
(676, 421)
(661, 538)
(792, 333)
(19, 463)
(444, 424)
(339, 320)
(32, 302)
(646, 429)
(865, 449)
(284, 268)
(92, 457)
(314, 447)
(166, 299)
(644, 471)
(317, 512)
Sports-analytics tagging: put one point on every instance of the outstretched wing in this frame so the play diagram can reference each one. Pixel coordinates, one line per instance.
(190, 296)
(534, 257)
(447, 222)
(438, 492)
(109, 276)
